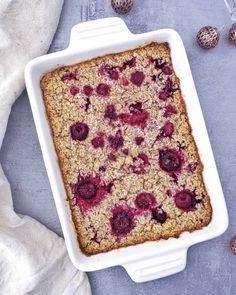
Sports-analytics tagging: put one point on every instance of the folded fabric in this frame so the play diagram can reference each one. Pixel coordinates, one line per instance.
(33, 259)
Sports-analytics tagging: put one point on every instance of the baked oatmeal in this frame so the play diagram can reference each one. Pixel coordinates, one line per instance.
(129, 162)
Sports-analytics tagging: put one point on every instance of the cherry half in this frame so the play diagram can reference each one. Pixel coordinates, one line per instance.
(169, 160)
(185, 200)
(79, 131)
(121, 222)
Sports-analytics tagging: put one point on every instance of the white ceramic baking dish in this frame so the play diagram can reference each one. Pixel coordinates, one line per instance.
(150, 260)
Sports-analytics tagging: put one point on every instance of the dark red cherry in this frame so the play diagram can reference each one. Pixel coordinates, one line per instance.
(170, 110)
(137, 78)
(185, 200)
(74, 90)
(110, 112)
(169, 86)
(125, 151)
(88, 90)
(116, 141)
(158, 62)
(98, 142)
(167, 70)
(79, 131)
(111, 157)
(145, 200)
(192, 167)
(159, 215)
(135, 119)
(68, 76)
(163, 95)
(87, 190)
(139, 140)
(167, 130)
(121, 222)
(103, 89)
(136, 108)
(124, 81)
(169, 160)
(102, 168)
(113, 75)
(129, 63)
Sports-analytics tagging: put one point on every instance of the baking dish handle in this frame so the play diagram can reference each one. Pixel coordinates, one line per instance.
(157, 267)
(102, 31)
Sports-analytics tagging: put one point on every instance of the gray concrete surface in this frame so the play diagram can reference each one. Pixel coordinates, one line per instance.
(211, 268)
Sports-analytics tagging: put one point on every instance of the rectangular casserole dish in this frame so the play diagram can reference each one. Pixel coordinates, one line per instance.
(150, 260)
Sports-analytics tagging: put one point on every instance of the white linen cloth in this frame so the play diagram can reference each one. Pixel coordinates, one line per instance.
(33, 260)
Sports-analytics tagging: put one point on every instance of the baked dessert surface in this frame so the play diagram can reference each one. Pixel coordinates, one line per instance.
(129, 162)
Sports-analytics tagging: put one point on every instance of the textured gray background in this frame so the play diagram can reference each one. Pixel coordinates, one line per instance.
(211, 268)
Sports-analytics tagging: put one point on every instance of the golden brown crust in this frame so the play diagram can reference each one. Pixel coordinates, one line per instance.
(81, 158)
